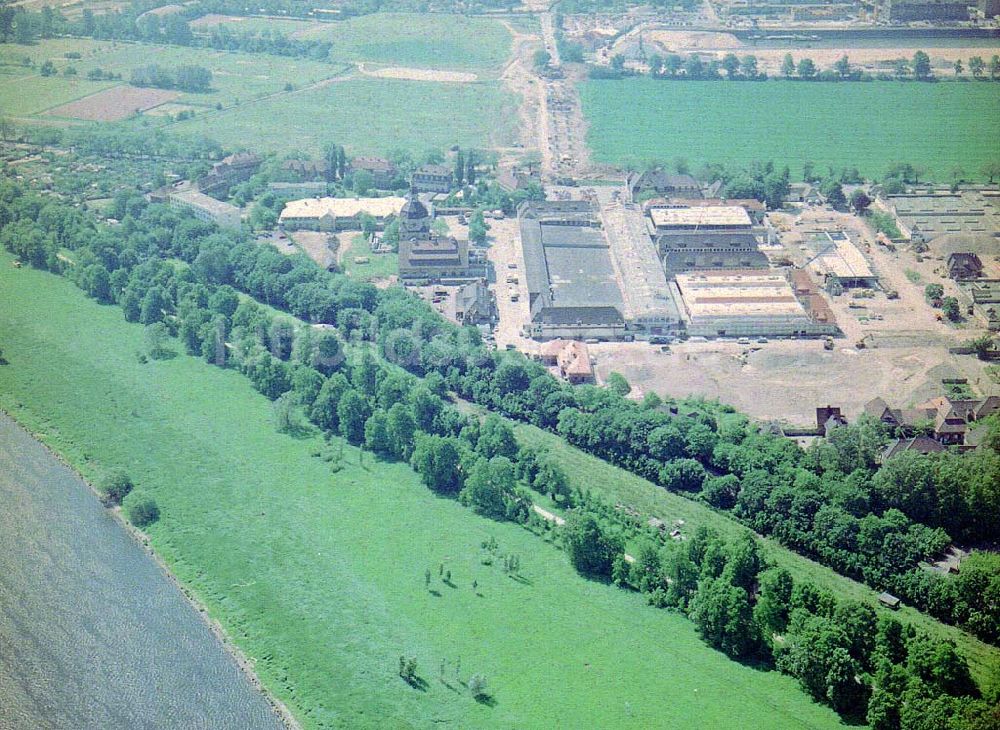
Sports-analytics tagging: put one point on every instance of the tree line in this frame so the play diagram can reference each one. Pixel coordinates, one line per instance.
(731, 67)
(185, 78)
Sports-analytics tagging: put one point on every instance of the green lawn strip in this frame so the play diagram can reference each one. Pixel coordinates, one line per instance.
(618, 486)
(319, 576)
(868, 125)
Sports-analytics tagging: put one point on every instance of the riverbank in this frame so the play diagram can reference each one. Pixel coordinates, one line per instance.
(141, 539)
(96, 629)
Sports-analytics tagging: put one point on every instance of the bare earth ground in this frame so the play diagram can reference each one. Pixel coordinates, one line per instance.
(524, 85)
(418, 74)
(113, 104)
(905, 357)
(320, 247)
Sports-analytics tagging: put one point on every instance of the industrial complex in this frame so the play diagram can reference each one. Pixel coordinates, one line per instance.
(603, 268)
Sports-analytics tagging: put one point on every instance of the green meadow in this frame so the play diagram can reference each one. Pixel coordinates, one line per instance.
(319, 576)
(366, 115)
(236, 77)
(869, 125)
(440, 41)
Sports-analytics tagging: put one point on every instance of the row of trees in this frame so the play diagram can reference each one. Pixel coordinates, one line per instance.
(869, 668)
(185, 78)
(137, 24)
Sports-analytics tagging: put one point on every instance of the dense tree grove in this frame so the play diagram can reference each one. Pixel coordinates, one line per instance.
(378, 371)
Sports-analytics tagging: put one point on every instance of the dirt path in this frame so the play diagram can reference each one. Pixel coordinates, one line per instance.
(418, 74)
(551, 118)
(522, 83)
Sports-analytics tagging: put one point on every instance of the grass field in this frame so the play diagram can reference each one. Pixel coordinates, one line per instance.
(379, 266)
(236, 77)
(442, 41)
(869, 125)
(319, 577)
(366, 115)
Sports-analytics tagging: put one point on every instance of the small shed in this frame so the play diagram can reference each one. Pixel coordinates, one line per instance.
(887, 599)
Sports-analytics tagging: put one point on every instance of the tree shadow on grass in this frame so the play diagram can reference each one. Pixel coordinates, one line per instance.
(435, 592)
(449, 583)
(522, 580)
(418, 683)
(486, 699)
(301, 431)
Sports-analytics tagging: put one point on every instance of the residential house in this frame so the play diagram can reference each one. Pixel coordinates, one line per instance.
(432, 179)
(570, 359)
(946, 420)
(919, 444)
(383, 172)
(229, 171)
(828, 418)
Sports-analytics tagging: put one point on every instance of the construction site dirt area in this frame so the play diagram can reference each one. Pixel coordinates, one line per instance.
(786, 380)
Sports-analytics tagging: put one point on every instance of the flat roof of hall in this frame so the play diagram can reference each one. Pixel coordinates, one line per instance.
(721, 215)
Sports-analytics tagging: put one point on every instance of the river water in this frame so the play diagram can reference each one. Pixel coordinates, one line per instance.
(92, 633)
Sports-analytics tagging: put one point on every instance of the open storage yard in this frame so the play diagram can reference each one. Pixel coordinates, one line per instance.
(938, 126)
(904, 359)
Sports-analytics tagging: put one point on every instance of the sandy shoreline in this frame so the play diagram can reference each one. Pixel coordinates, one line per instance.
(141, 539)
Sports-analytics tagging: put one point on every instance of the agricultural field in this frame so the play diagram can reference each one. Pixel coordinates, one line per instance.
(367, 115)
(318, 576)
(868, 125)
(236, 77)
(290, 27)
(420, 40)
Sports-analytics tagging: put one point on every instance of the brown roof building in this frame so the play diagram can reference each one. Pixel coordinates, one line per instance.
(964, 266)
(571, 359)
(947, 419)
(382, 171)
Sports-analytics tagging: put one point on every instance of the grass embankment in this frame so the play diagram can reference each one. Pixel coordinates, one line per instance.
(868, 125)
(319, 576)
(618, 486)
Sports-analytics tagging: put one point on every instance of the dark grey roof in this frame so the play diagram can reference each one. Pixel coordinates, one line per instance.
(663, 181)
(536, 275)
(708, 240)
(678, 261)
(567, 264)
